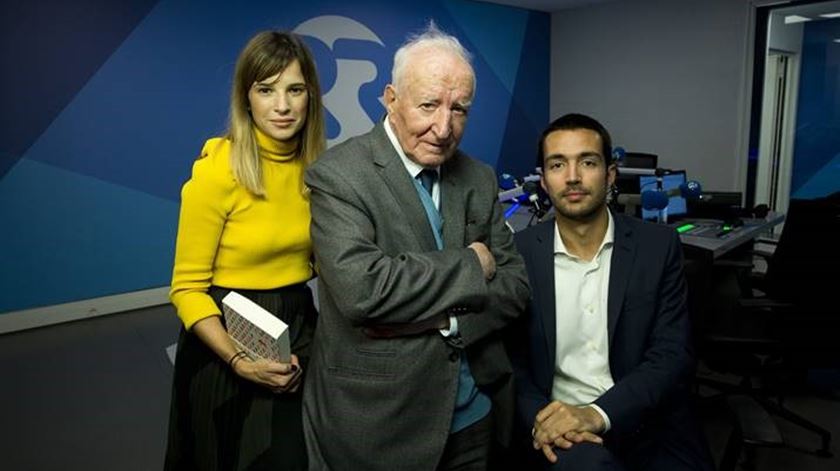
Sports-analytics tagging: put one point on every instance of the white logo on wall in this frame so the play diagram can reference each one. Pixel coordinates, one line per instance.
(342, 100)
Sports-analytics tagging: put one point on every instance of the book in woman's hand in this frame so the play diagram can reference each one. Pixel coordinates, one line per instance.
(255, 330)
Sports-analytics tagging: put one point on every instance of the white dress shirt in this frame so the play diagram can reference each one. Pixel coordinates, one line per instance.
(413, 167)
(582, 366)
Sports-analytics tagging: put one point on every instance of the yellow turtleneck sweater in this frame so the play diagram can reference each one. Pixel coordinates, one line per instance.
(227, 237)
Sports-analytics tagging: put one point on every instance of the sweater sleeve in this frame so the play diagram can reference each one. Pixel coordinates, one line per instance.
(206, 200)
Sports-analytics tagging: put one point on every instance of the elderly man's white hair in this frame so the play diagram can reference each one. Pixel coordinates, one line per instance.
(431, 37)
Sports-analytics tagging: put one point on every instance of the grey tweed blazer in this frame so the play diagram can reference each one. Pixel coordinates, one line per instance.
(373, 402)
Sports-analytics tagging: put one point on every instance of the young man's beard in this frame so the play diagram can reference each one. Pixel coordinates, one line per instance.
(587, 213)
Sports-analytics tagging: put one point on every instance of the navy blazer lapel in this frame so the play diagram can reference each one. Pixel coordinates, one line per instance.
(399, 182)
(624, 253)
(544, 295)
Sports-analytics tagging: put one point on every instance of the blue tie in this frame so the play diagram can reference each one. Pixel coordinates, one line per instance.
(427, 179)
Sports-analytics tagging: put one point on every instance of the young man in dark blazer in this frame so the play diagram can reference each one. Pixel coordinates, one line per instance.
(603, 356)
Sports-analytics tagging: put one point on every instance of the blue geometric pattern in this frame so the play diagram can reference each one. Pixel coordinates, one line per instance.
(45, 62)
(823, 182)
(90, 178)
(68, 237)
(817, 142)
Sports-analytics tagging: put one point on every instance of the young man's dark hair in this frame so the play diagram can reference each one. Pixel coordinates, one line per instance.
(572, 121)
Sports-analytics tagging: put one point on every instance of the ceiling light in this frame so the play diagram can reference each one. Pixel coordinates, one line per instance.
(791, 19)
(830, 15)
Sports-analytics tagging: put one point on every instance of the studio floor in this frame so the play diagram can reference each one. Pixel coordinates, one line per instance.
(94, 395)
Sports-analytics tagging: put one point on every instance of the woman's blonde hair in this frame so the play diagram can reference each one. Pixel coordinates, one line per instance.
(268, 54)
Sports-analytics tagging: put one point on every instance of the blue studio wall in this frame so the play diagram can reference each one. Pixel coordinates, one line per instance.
(816, 158)
(106, 105)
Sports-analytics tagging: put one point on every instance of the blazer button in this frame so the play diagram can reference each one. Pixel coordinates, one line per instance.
(453, 357)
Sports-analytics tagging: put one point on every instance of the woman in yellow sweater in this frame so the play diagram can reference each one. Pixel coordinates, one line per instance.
(244, 226)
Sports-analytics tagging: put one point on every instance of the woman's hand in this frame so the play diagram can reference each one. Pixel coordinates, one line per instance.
(278, 377)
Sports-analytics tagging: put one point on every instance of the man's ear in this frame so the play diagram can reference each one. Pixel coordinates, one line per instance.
(612, 174)
(389, 97)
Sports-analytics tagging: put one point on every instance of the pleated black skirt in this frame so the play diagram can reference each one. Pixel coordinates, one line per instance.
(219, 421)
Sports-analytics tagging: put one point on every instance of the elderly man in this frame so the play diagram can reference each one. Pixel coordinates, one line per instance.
(418, 276)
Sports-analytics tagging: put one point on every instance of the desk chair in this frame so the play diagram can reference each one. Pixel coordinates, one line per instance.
(781, 330)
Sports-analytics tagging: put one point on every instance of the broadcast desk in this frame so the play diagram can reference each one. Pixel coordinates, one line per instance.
(712, 236)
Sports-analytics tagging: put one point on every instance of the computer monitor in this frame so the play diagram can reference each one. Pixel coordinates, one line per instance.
(640, 160)
(676, 204)
(724, 205)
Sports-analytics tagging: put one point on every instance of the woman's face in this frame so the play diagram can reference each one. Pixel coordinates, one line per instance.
(279, 103)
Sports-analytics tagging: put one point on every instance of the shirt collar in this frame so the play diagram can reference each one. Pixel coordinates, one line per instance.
(609, 238)
(413, 167)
